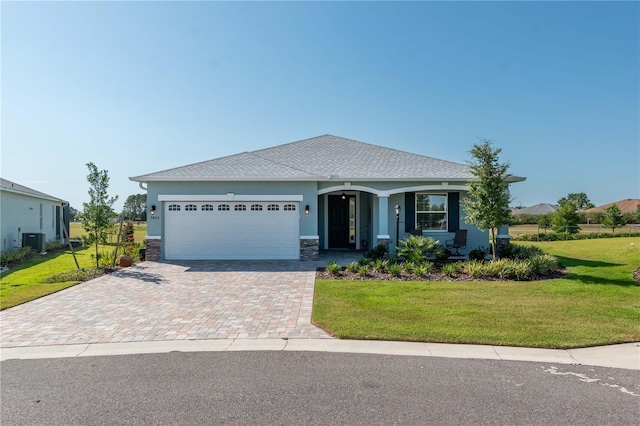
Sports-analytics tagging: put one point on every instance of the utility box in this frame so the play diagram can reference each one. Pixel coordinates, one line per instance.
(34, 240)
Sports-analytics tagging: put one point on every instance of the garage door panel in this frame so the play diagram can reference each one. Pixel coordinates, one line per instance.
(231, 234)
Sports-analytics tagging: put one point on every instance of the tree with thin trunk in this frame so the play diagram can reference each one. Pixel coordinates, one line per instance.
(613, 218)
(97, 214)
(487, 200)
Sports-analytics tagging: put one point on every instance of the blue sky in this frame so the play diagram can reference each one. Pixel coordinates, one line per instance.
(137, 87)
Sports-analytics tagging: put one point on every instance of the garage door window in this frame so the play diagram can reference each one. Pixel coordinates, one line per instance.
(223, 207)
(289, 207)
(174, 208)
(273, 207)
(190, 208)
(256, 207)
(206, 208)
(240, 207)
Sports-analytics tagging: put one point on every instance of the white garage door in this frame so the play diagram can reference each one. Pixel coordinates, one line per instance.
(231, 230)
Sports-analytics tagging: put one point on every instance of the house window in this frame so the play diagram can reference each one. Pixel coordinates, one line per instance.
(256, 207)
(240, 207)
(174, 208)
(190, 208)
(290, 207)
(431, 212)
(273, 207)
(206, 208)
(223, 207)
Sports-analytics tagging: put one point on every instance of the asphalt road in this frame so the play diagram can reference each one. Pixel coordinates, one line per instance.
(298, 388)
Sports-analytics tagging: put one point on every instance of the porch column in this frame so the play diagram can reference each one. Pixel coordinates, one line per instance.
(383, 220)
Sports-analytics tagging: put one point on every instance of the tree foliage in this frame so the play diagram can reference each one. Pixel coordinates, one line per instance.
(613, 217)
(96, 215)
(566, 219)
(135, 208)
(579, 199)
(487, 200)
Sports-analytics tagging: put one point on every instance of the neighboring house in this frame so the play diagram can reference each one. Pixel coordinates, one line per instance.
(27, 211)
(291, 200)
(538, 209)
(627, 205)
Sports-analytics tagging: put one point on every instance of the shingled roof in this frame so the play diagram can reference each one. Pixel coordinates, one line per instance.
(7, 185)
(321, 158)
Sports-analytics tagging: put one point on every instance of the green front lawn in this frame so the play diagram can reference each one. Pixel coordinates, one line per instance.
(24, 282)
(596, 303)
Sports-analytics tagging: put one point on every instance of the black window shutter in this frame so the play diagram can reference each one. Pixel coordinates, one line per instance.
(409, 211)
(454, 211)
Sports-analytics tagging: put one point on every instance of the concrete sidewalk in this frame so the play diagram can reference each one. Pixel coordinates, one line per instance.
(625, 355)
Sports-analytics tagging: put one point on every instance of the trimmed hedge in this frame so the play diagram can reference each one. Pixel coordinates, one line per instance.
(554, 236)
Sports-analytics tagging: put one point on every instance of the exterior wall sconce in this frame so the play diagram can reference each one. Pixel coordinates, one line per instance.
(343, 196)
(306, 209)
(153, 210)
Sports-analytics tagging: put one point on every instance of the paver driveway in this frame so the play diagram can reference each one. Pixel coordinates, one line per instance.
(154, 301)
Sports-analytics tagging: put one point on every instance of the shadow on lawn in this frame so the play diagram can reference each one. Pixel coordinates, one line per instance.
(601, 278)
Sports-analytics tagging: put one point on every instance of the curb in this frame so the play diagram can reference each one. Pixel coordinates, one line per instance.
(626, 355)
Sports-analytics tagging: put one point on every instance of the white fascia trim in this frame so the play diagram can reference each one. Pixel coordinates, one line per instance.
(383, 237)
(147, 179)
(309, 237)
(152, 237)
(443, 186)
(229, 197)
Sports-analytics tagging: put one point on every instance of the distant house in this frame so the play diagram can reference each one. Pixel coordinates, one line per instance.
(628, 205)
(538, 209)
(27, 211)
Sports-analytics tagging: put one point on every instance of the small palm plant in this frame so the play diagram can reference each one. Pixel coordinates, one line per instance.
(416, 248)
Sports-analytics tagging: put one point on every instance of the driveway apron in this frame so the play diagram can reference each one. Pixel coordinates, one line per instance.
(160, 301)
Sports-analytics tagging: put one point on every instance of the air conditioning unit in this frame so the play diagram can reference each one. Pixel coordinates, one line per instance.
(35, 240)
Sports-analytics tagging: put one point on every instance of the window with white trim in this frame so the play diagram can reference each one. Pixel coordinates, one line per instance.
(273, 207)
(223, 207)
(190, 208)
(431, 212)
(256, 207)
(240, 207)
(174, 207)
(206, 208)
(289, 207)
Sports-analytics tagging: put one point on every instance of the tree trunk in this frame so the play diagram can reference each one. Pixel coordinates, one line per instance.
(97, 260)
(493, 243)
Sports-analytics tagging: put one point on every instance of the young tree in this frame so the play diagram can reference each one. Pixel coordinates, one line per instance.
(579, 199)
(544, 221)
(487, 200)
(97, 213)
(135, 208)
(613, 217)
(566, 219)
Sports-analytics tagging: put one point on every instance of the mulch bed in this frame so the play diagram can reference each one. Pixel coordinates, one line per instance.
(636, 275)
(436, 275)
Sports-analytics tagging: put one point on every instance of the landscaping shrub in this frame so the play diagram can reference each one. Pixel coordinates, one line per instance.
(475, 268)
(543, 264)
(423, 269)
(514, 251)
(17, 255)
(479, 253)
(381, 265)
(416, 248)
(395, 269)
(333, 268)
(74, 275)
(450, 269)
(105, 258)
(554, 236)
(353, 267)
(364, 261)
(378, 252)
(363, 270)
(53, 245)
(409, 267)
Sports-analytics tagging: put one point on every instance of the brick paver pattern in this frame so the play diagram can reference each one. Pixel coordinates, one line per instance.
(154, 301)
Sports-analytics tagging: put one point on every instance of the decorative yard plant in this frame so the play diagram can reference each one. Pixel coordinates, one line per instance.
(417, 249)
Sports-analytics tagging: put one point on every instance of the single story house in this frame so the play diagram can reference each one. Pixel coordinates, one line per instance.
(30, 216)
(292, 200)
(538, 209)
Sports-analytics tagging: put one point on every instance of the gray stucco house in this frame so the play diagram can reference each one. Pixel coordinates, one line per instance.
(292, 200)
(26, 211)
